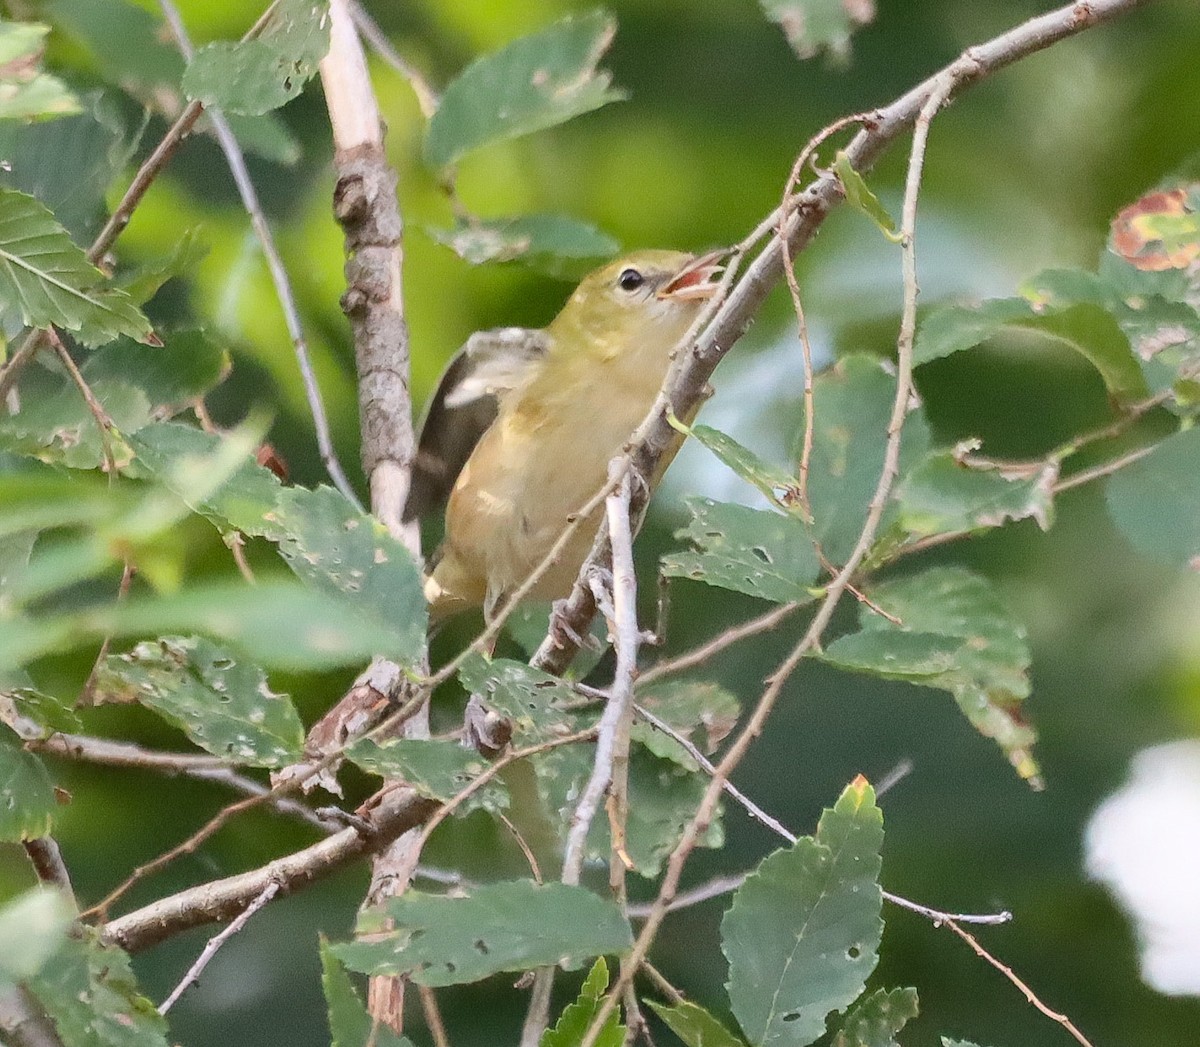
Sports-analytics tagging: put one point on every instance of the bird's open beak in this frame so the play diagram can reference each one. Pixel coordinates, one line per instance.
(696, 280)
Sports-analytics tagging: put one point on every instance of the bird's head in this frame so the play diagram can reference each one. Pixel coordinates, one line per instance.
(647, 298)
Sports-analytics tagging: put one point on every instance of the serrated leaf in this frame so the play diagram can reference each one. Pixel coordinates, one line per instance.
(188, 365)
(46, 280)
(349, 1023)
(875, 1019)
(51, 714)
(955, 635)
(577, 1016)
(89, 991)
(222, 702)
(537, 704)
(329, 544)
(852, 406)
(663, 795)
(26, 92)
(694, 1025)
(702, 712)
(144, 283)
(27, 804)
(557, 245)
(512, 926)
(812, 26)
(802, 933)
(32, 927)
(1155, 501)
(252, 77)
(244, 500)
(860, 197)
(434, 768)
(533, 83)
(776, 484)
(752, 551)
(947, 493)
(1087, 328)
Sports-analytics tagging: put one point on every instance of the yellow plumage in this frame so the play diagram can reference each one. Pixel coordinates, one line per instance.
(569, 411)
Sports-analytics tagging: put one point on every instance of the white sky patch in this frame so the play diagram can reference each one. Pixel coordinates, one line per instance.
(1143, 844)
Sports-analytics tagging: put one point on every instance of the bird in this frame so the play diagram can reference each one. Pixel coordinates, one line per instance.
(520, 430)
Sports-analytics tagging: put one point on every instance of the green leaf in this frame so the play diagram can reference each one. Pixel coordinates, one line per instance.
(752, 551)
(955, 635)
(333, 547)
(852, 406)
(812, 26)
(802, 932)
(512, 926)
(222, 703)
(704, 713)
(349, 1023)
(859, 196)
(577, 1016)
(950, 492)
(32, 927)
(27, 93)
(51, 714)
(557, 245)
(875, 1020)
(434, 768)
(144, 283)
(244, 499)
(27, 803)
(1087, 328)
(45, 279)
(694, 1025)
(537, 704)
(535, 82)
(252, 77)
(1155, 501)
(89, 991)
(663, 796)
(777, 485)
(947, 1042)
(185, 367)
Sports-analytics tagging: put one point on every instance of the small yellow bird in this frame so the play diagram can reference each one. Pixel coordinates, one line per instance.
(523, 425)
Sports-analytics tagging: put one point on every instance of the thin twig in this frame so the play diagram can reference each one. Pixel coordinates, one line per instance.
(427, 98)
(104, 422)
(433, 1016)
(1097, 472)
(47, 861)
(1029, 994)
(236, 161)
(215, 943)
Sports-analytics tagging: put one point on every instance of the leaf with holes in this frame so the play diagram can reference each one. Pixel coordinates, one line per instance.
(1155, 501)
(512, 926)
(27, 93)
(89, 991)
(27, 803)
(852, 407)
(951, 492)
(776, 484)
(955, 634)
(434, 768)
(252, 77)
(538, 705)
(32, 927)
(221, 702)
(752, 551)
(557, 245)
(702, 712)
(535, 82)
(46, 280)
(694, 1025)
(349, 1023)
(802, 932)
(577, 1016)
(876, 1018)
(813, 26)
(336, 549)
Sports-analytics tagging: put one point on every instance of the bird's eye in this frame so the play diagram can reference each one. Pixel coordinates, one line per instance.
(630, 280)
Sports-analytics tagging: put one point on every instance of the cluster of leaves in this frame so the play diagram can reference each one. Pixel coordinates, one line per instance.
(802, 933)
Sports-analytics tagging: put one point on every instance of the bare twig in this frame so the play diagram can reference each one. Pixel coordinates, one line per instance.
(283, 287)
(215, 943)
(433, 1016)
(427, 98)
(47, 861)
(22, 1023)
(1097, 472)
(1029, 994)
(104, 423)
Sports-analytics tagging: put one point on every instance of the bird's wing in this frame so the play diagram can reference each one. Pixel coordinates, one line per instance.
(465, 403)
